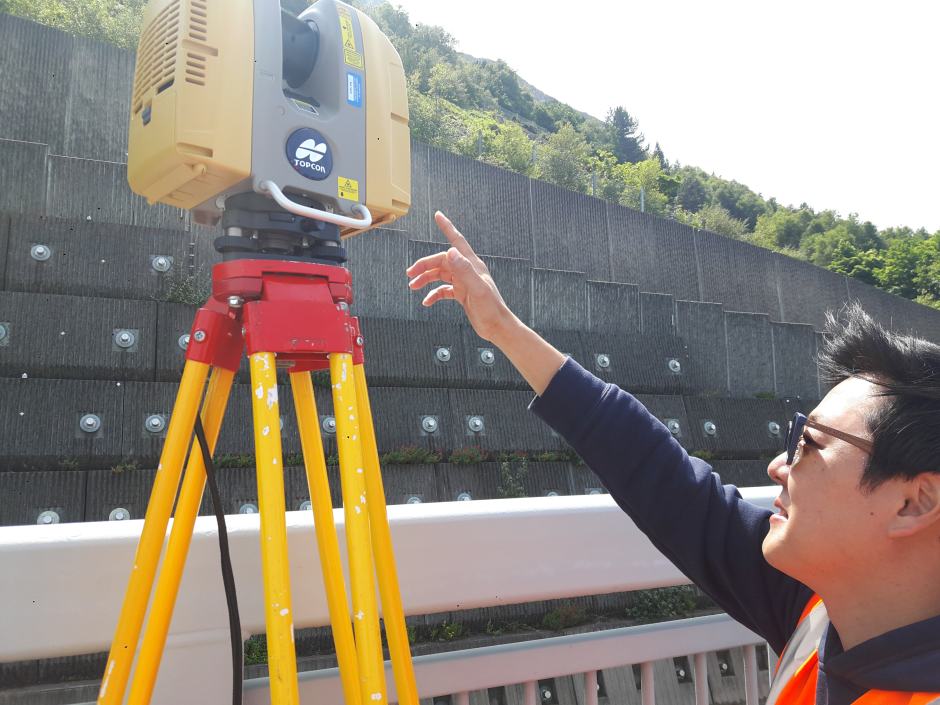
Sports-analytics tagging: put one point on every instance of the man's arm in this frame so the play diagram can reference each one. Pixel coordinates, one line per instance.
(706, 529)
(712, 535)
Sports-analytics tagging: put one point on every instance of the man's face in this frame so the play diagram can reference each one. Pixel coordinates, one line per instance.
(828, 527)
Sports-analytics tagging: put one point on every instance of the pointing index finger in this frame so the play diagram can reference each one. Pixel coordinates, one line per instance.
(454, 235)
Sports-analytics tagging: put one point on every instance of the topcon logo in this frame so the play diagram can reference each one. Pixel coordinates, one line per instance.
(311, 150)
(309, 154)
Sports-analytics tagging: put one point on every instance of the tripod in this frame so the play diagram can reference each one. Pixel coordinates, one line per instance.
(282, 296)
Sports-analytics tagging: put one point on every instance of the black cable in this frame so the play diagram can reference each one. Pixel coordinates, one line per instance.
(228, 578)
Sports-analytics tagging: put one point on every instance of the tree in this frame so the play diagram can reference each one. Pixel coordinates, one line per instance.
(782, 229)
(626, 141)
(563, 160)
(658, 154)
(863, 265)
(716, 219)
(692, 195)
(740, 202)
(104, 20)
(643, 186)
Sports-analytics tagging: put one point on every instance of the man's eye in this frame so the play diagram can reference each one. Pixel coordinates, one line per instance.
(808, 440)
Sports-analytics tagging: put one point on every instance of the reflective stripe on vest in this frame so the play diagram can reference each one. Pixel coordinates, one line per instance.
(797, 670)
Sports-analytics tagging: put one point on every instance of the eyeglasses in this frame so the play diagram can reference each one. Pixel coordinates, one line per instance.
(795, 436)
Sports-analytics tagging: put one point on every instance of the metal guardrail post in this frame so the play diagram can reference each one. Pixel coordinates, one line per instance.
(590, 688)
(700, 670)
(647, 683)
(751, 690)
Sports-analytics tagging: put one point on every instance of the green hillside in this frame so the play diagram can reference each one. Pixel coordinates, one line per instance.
(483, 110)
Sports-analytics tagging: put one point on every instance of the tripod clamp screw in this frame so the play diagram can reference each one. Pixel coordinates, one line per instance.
(710, 428)
(443, 354)
(359, 341)
(429, 424)
(475, 424)
(40, 253)
(48, 517)
(161, 263)
(235, 301)
(329, 424)
(199, 336)
(155, 423)
(90, 423)
(124, 339)
(183, 341)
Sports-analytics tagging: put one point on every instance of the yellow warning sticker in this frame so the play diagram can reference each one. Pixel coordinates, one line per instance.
(348, 189)
(350, 50)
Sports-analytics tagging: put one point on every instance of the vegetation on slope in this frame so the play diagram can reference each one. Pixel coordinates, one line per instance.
(483, 110)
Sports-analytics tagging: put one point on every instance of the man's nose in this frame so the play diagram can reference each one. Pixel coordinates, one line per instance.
(778, 469)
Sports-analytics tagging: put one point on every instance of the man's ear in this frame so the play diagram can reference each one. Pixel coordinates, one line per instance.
(921, 506)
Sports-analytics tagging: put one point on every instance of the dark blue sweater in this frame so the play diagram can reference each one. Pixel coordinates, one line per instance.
(714, 537)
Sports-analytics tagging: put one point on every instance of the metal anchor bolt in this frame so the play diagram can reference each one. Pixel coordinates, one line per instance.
(429, 424)
(774, 428)
(125, 339)
(443, 354)
(673, 426)
(329, 424)
(155, 423)
(90, 423)
(48, 517)
(675, 366)
(119, 514)
(475, 424)
(40, 253)
(487, 356)
(710, 428)
(603, 361)
(183, 341)
(161, 263)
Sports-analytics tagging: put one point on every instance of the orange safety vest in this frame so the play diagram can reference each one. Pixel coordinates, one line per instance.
(798, 667)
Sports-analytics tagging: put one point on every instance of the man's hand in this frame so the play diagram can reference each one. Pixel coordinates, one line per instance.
(466, 280)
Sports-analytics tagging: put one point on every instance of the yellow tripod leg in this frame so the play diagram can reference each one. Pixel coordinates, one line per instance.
(118, 667)
(282, 661)
(394, 616)
(358, 541)
(171, 571)
(327, 541)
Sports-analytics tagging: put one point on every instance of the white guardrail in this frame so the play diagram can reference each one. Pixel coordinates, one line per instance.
(61, 588)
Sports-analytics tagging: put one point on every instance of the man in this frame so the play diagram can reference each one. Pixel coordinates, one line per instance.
(844, 581)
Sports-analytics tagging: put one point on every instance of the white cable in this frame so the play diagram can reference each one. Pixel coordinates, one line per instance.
(315, 213)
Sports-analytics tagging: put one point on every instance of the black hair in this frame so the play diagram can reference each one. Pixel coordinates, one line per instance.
(905, 428)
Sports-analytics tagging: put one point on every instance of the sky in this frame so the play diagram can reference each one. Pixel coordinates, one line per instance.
(830, 103)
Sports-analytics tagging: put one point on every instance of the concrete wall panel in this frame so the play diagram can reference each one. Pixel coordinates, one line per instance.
(403, 353)
(795, 360)
(36, 62)
(543, 478)
(22, 175)
(702, 327)
(738, 275)
(479, 481)
(101, 80)
(80, 189)
(378, 260)
(4, 244)
(94, 259)
(657, 314)
(895, 312)
(750, 358)
(398, 414)
(39, 422)
(742, 473)
(670, 408)
(807, 291)
(654, 253)
(402, 482)
(109, 490)
(741, 425)
(559, 299)
(173, 322)
(75, 337)
(637, 363)
(490, 206)
(499, 374)
(613, 308)
(507, 424)
(26, 495)
(569, 231)
(513, 279)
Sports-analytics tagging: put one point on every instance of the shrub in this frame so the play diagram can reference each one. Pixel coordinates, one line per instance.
(564, 616)
(411, 455)
(468, 456)
(662, 604)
